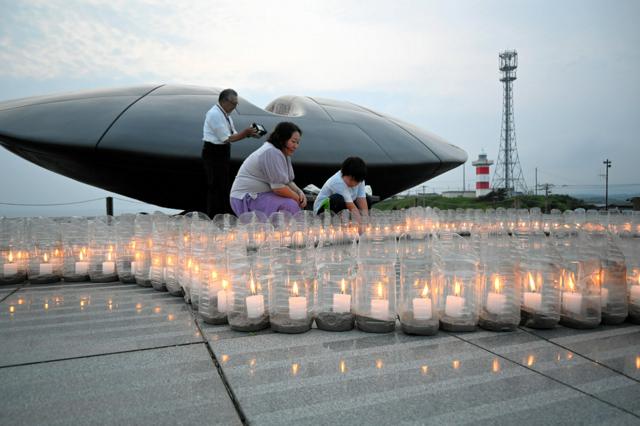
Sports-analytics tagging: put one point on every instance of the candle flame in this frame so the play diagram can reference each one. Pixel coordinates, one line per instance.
(170, 261)
(495, 365)
(343, 366)
(457, 287)
(532, 283)
(379, 364)
(224, 358)
(81, 256)
(295, 367)
(455, 364)
(46, 257)
(10, 256)
(424, 370)
(252, 285)
(380, 291)
(12, 309)
(638, 362)
(225, 284)
(425, 290)
(343, 286)
(46, 306)
(138, 256)
(109, 256)
(214, 275)
(570, 282)
(132, 245)
(294, 290)
(56, 252)
(496, 283)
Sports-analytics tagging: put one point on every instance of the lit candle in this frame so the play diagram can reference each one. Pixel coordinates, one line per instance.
(10, 268)
(454, 304)
(46, 267)
(222, 294)
(380, 306)
(297, 304)
(533, 299)
(255, 302)
(634, 293)
(496, 301)
(109, 266)
(342, 301)
(422, 305)
(81, 266)
(571, 301)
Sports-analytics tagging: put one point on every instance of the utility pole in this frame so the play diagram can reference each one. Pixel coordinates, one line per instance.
(536, 181)
(547, 190)
(607, 163)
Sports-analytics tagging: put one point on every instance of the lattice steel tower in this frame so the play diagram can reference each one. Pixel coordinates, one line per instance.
(508, 173)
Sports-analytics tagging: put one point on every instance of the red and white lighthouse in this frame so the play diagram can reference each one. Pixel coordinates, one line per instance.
(482, 175)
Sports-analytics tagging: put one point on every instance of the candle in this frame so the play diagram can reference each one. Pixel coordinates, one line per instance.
(297, 304)
(342, 301)
(255, 303)
(571, 301)
(108, 267)
(10, 269)
(222, 296)
(454, 304)
(533, 300)
(46, 267)
(496, 301)
(380, 307)
(422, 305)
(604, 296)
(133, 268)
(82, 267)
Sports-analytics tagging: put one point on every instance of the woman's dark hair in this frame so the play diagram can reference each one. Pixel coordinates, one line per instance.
(282, 133)
(354, 167)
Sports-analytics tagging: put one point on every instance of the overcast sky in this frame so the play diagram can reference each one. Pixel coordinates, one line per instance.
(431, 63)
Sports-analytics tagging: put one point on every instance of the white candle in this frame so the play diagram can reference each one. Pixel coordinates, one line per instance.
(532, 300)
(82, 267)
(422, 308)
(297, 307)
(10, 269)
(133, 268)
(496, 303)
(604, 296)
(634, 294)
(380, 309)
(341, 303)
(222, 301)
(108, 267)
(572, 302)
(46, 268)
(255, 306)
(453, 306)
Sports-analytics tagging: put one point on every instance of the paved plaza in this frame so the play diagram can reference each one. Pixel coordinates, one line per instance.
(118, 353)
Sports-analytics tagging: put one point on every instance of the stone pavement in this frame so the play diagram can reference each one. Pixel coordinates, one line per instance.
(118, 353)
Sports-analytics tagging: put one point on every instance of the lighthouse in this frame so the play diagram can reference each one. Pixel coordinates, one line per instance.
(482, 175)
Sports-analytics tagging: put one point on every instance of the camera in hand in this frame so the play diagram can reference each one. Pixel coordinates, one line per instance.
(260, 130)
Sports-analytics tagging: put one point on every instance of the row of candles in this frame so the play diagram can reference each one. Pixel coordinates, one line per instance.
(459, 301)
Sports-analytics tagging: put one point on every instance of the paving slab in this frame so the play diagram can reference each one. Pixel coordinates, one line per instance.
(617, 347)
(335, 378)
(569, 367)
(166, 386)
(44, 323)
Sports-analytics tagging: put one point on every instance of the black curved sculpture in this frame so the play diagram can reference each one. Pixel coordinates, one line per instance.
(145, 142)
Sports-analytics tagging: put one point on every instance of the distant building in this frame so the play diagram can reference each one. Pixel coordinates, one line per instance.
(482, 175)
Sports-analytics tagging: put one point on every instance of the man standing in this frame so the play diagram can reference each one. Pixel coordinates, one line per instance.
(217, 135)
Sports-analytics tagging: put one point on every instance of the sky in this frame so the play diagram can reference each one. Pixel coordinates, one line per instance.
(431, 63)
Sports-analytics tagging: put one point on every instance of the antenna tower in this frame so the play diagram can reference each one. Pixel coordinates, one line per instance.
(508, 173)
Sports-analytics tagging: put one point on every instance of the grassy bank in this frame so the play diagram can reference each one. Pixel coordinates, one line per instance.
(561, 202)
